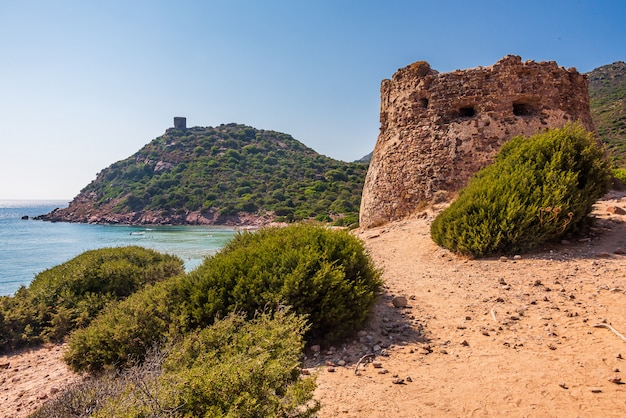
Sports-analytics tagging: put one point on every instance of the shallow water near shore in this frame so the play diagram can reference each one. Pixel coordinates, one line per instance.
(28, 247)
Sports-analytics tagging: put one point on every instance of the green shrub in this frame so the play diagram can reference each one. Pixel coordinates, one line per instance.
(71, 294)
(125, 331)
(232, 368)
(322, 274)
(620, 174)
(538, 189)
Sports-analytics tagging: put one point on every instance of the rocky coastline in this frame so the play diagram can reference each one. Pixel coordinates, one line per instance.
(83, 210)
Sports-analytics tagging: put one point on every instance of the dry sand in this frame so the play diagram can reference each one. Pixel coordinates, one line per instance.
(487, 337)
(490, 337)
(29, 377)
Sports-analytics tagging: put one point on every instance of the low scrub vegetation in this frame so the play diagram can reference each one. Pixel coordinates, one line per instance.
(235, 367)
(71, 294)
(538, 189)
(225, 339)
(620, 174)
(322, 274)
(607, 99)
(124, 333)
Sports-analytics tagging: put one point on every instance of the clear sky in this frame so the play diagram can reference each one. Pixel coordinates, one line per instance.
(86, 83)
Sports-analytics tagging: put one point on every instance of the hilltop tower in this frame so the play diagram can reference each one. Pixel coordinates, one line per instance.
(437, 130)
(180, 122)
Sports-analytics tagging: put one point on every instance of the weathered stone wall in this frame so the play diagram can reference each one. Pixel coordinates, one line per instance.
(439, 129)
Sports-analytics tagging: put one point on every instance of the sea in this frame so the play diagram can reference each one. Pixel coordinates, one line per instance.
(28, 247)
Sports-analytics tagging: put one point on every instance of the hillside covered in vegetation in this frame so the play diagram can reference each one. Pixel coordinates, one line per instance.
(231, 174)
(607, 93)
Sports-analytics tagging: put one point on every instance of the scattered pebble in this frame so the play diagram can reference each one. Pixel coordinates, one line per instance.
(596, 390)
(400, 301)
(615, 379)
(563, 385)
(616, 210)
(398, 381)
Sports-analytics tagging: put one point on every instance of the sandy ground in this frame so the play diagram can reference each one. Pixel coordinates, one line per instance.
(490, 337)
(28, 378)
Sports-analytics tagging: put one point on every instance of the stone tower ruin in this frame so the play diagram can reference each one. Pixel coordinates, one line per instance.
(437, 130)
(180, 122)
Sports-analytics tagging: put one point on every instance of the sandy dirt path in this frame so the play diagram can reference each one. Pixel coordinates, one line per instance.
(488, 337)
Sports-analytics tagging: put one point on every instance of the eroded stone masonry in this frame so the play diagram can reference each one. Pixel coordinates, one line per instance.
(439, 129)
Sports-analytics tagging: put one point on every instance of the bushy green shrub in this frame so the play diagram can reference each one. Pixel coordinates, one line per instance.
(323, 274)
(620, 174)
(538, 189)
(232, 368)
(71, 294)
(124, 332)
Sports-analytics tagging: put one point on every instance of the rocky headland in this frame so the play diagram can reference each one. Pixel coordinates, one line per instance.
(83, 210)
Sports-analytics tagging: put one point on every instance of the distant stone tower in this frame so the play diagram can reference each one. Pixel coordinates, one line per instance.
(437, 130)
(180, 122)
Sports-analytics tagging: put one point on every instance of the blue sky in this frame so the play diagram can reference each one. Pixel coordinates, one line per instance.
(86, 83)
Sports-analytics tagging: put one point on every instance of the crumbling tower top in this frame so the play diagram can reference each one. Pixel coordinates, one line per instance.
(180, 122)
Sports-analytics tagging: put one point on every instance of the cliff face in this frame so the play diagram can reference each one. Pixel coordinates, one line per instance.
(439, 129)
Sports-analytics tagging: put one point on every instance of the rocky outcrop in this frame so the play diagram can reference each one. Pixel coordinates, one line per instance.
(83, 210)
(439, 129)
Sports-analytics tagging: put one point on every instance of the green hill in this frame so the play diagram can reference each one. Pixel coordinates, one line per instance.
(607, 93)
(230, 174)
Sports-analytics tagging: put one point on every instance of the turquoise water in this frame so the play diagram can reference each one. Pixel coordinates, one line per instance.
(28, 247)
